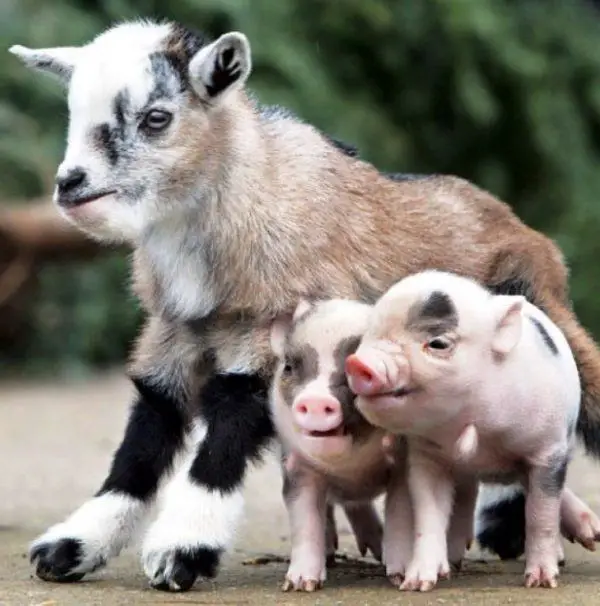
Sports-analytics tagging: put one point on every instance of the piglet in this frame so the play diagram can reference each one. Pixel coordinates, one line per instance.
(331, 453)
(486, 388)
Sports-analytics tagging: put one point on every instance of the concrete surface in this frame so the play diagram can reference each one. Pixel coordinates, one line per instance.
(56, 441)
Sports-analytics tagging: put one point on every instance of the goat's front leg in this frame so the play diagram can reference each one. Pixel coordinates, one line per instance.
(103, 526)
(203, 503)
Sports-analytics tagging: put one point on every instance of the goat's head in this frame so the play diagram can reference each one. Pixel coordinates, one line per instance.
(145, 104)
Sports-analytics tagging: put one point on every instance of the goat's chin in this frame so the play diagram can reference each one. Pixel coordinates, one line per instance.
(105, 220)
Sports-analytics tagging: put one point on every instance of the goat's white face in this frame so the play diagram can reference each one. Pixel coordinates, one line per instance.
(141, 97)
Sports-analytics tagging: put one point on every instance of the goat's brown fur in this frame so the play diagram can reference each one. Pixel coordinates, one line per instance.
(293, 217)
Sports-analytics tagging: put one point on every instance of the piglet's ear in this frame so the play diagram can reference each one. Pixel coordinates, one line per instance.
(303, 306)
(279, 331)
(509, 323)
(59, 61)
(221, 67)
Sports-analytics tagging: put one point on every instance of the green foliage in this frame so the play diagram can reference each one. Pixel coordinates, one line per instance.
(505, 93)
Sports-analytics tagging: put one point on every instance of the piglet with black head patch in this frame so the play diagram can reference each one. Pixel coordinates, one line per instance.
(332, 454)
(486, 388)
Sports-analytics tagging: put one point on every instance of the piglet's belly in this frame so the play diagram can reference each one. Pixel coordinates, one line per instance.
(489, 466)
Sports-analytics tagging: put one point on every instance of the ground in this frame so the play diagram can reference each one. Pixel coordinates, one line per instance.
(56, 441)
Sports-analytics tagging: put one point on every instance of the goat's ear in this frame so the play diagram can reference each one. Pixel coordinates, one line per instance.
(508, 312)
(221, 67)
(59, 61)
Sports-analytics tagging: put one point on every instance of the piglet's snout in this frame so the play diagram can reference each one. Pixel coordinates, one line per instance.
(366, 374)
(317, 413)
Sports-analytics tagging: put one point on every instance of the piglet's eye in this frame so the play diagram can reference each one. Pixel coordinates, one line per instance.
(156, 120)
(439, 343)
(289, 366)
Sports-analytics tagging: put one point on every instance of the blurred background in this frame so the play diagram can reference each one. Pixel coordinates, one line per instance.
(503, 92)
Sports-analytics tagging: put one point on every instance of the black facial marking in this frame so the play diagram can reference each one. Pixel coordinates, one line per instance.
(106, 140)
(305, 363)
(550, 344)
(439, 306)
(185, 41)
(164, 75)
(435, 316)
(121, 107)
(179, 48)
(301, 366)
(552, 478)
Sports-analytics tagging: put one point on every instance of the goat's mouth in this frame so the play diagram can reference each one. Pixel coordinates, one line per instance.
(72, 202)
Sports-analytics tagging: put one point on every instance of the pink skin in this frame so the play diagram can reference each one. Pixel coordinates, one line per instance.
(317, 414)
(319, 425)
(461, 373)
(306, 500)
(578, 522)
(374, 372)
(431, 486)
(331, 458)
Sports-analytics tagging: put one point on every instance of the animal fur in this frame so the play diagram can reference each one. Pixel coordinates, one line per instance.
(236, 211)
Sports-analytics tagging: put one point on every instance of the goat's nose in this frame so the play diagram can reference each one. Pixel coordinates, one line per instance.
(71, 180)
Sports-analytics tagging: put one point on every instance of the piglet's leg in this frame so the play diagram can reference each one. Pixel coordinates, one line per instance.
(460, 532)
(398, 529)
(305, 496)
(431, 486)
(366, 526)
(331, 536)
(578, 522)
(542, 522)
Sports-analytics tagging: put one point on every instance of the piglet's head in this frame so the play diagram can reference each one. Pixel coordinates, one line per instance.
(311, 402)
(432, 337)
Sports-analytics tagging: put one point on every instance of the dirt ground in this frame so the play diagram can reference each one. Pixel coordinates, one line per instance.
(56, 442)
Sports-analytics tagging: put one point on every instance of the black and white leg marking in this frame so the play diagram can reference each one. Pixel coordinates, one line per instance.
(103, 526)
(204, 501)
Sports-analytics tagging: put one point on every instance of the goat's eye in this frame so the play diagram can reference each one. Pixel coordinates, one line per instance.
(439, 343)
(156, 120)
